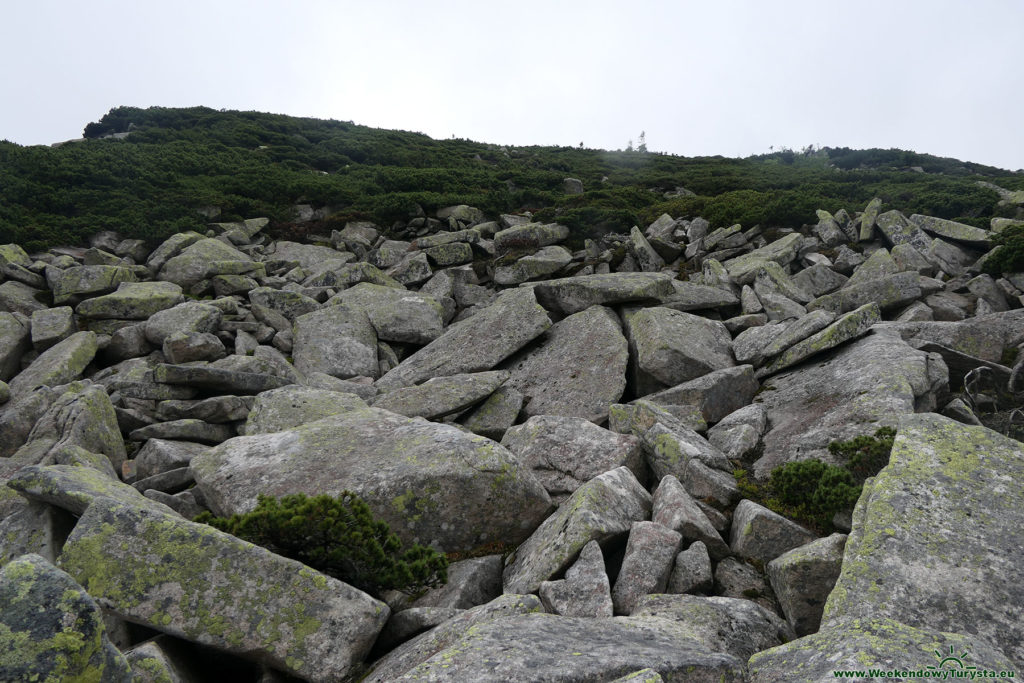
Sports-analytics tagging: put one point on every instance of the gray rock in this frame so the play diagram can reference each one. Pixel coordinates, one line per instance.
(306, 255)
(215, 593)
(410, 622)
(886, 292)
(15, 340)
(74, 488)
(984, 337)
(128, 342)
(669, 449)
(185, 430)
(442, 396)
(396, 314)
(496, 414)
(132, 301)
(819, 280)
(51, 629)
(529, 236)
(60, 364)
(578, 368)
(983, 287)
(451, 254)
(719, 624)
(565, 452)
(735, 579)
(868, 218)
(713, 485)
(637, 417)
(16, 297)
(574, 294)
(948, 257)
(739, 433)
(200, 260)
(33, 527)
(476, 344)
(190, 316)
(675, 509)
(286, 302)
(689, 296)
(669, 347)
(907, 257)
(898, 230)
(646, 564)
(647, 258)
(803, 577)
(762, 535)
(281, 409)
(52, 325)
(19, 416)
(601, 510)
(337, 340)
(877, 266)
(187, 347)
(958, 232)
(213, 378)
(168, 482)
(411, 270)
(161, 455)
(948, 501)
(585, 590)
(782, 251)
(847, 328)
(715, 394)
(471, 582)
(691, 571)
(170, 248)
(217, 409)
(545, 262)
(81, 281)
(432, 483)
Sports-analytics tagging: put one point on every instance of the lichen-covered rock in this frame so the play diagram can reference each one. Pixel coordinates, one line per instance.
(60, 364)
(669, 449)
(306, 255)
(647, 258)
(51, 326)
(190, 316)
(33, 527)
(938, 527)
(74, 488)
(80, 281)
(432, 483)
(51, 630)
(132, 301)
(529, 236)
(715, 394)
(15, 340)
(442, 396)
(690, 296)
(691, 571)
(983, 336)
(878, 265)
(848, 327)
(477, 343)
(451, 254)
(646, 564)
(566, 452)
(188, 429)
(216, 409)
(738, 627)
(398, 315)
(545, 262)
(585, 591)
(803, 577)
(496, 414)
(668, 347)
(200, 260)
(887, 293)
(221, 591)
(602, 509)
(286, 302)
(743, 269)
(574, 294)
(819, 279)
(958, 232)
(471, 582)
(762, 535)
(188, 347)
(675, 509)
(337, 340)
(280, 409)
(739, 433)
(17, 297)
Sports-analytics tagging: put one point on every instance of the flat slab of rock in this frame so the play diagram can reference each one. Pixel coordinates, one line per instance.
(477, 343)
(544, 647)
(280, 409)
(743, 269)
(217, 379)
(603, 508)
(939, 526)
(887, 293)
(59, 364)
(216, 592)
(545, 262)
(433, 483)
(199, 261)
(690, 296)
(442, 396)
(715, 394)
(397, 314)
(132, 301)
(958, 232)
(578, 368)
(80, 281)
(848, 327)
(574, 294)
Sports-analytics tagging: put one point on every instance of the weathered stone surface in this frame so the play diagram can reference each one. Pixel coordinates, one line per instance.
(171, 247)
(669, 347)
(689, 296)
(848, 327)
(306, 255)
(982, 336)
(409, 622)
(637, 417)
(309, 625)
(602, 509)
(477, 343)
(529, 236)
(73, 488)
(163, 660)
(818, 280)
(646, 564)
(675, 509)
(19, 416)
(16, 297)
(15, 340)
(782, 251)
(442, 396)
(432, 483)
(958, 232)
(886, 292)
(868, 218)
(471, 582)
(337, 340)
(216, 409)
(496, 414)
(185, 430)
(738, 627)
(451, 254)
(938, 526)
(669, 449)
(737, 579)
(190, 316)
(691, 571)
(762, 535)
(578, 368)
(898, 230)
(161, 455)
(574, 294)
(204, 258)
(878, 265)
(803, 577)
(641, 676)
(884, 645)
(132, 301)
(398, 315)
(545, 262)
(566, 452)
(59, 364)
(739, 433)
(411, 270)
(853, 391)
(290, 406)
(81, 281)
(51, 630)
(585, 591)
(51, 326)
(647, 258)
(188, 347)
(715, 394)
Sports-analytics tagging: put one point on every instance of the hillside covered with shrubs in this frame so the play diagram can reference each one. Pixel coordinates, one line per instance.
(148, 173)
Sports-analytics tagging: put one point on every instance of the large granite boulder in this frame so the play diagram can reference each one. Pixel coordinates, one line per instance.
(81, 281)
(202, 259)
(442, 396)
(433, 483)
(15, 340)
(59, 364)
(669, 347)
(337, 340)
(574, 294)
(578, 368)
(280, 409)
(132, 301)
(221, 591)
(398, 315)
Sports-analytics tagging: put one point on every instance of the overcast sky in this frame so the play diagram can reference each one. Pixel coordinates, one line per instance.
(729, 77)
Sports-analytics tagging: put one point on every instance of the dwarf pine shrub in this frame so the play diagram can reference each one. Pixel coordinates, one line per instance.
(339, 537)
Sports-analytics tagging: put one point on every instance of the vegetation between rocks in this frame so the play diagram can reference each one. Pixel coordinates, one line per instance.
(340, 537)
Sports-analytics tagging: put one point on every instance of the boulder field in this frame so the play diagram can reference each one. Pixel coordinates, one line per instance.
(584, 432)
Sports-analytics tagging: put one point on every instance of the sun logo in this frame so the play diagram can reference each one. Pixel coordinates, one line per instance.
(951, 660)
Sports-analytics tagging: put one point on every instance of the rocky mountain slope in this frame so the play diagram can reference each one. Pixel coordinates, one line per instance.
(570, 423)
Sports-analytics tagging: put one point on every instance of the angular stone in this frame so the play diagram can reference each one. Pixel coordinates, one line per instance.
(601, 510)
(803, 577)
(958, 232)
(529, 236)
(132, 301)
(762, 535)
(897, 230)
(670, 448)
(878, 265)
(471, 582)
(337, 340)
(675, 509)
(59, 364)
(452, 254)
(585, 591)
(647, 258)
(984, 337)
(545, 262)
(715, 394)
(188, 347)
(868, 218)
(217, 409)
(886, 292)
(410, 622)
(305, 255)
(476, 344)
(74, 488)
(411, 270)
(82, 281)
(15, 340)
(689, 296)
(286, 302)
(577, 369)
(442, 396)
(50, 629)
(691, 571)
(637, 417)
(190, 316)
(432, 483)
(171, 247)
(200, 260)
(51, 326)
(938, 525)
(736, 579)
(818, 280)
(160, 455)
(281, 409)
(496, 414)
(396, 314)
(782, 251)
(33, 527)
(670, 347)
(847, 328)
(217, 379)
(566, 452)
(185, 430)
(646, 565)
(215, 593)
(574, 294)
(739, 433)
(16, 297)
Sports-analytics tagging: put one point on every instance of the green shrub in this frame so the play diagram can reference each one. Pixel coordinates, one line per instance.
(339, 537)
(865, 456)
(1009, 257)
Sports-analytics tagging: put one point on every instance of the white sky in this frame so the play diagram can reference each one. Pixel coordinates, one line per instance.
(729, 77)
